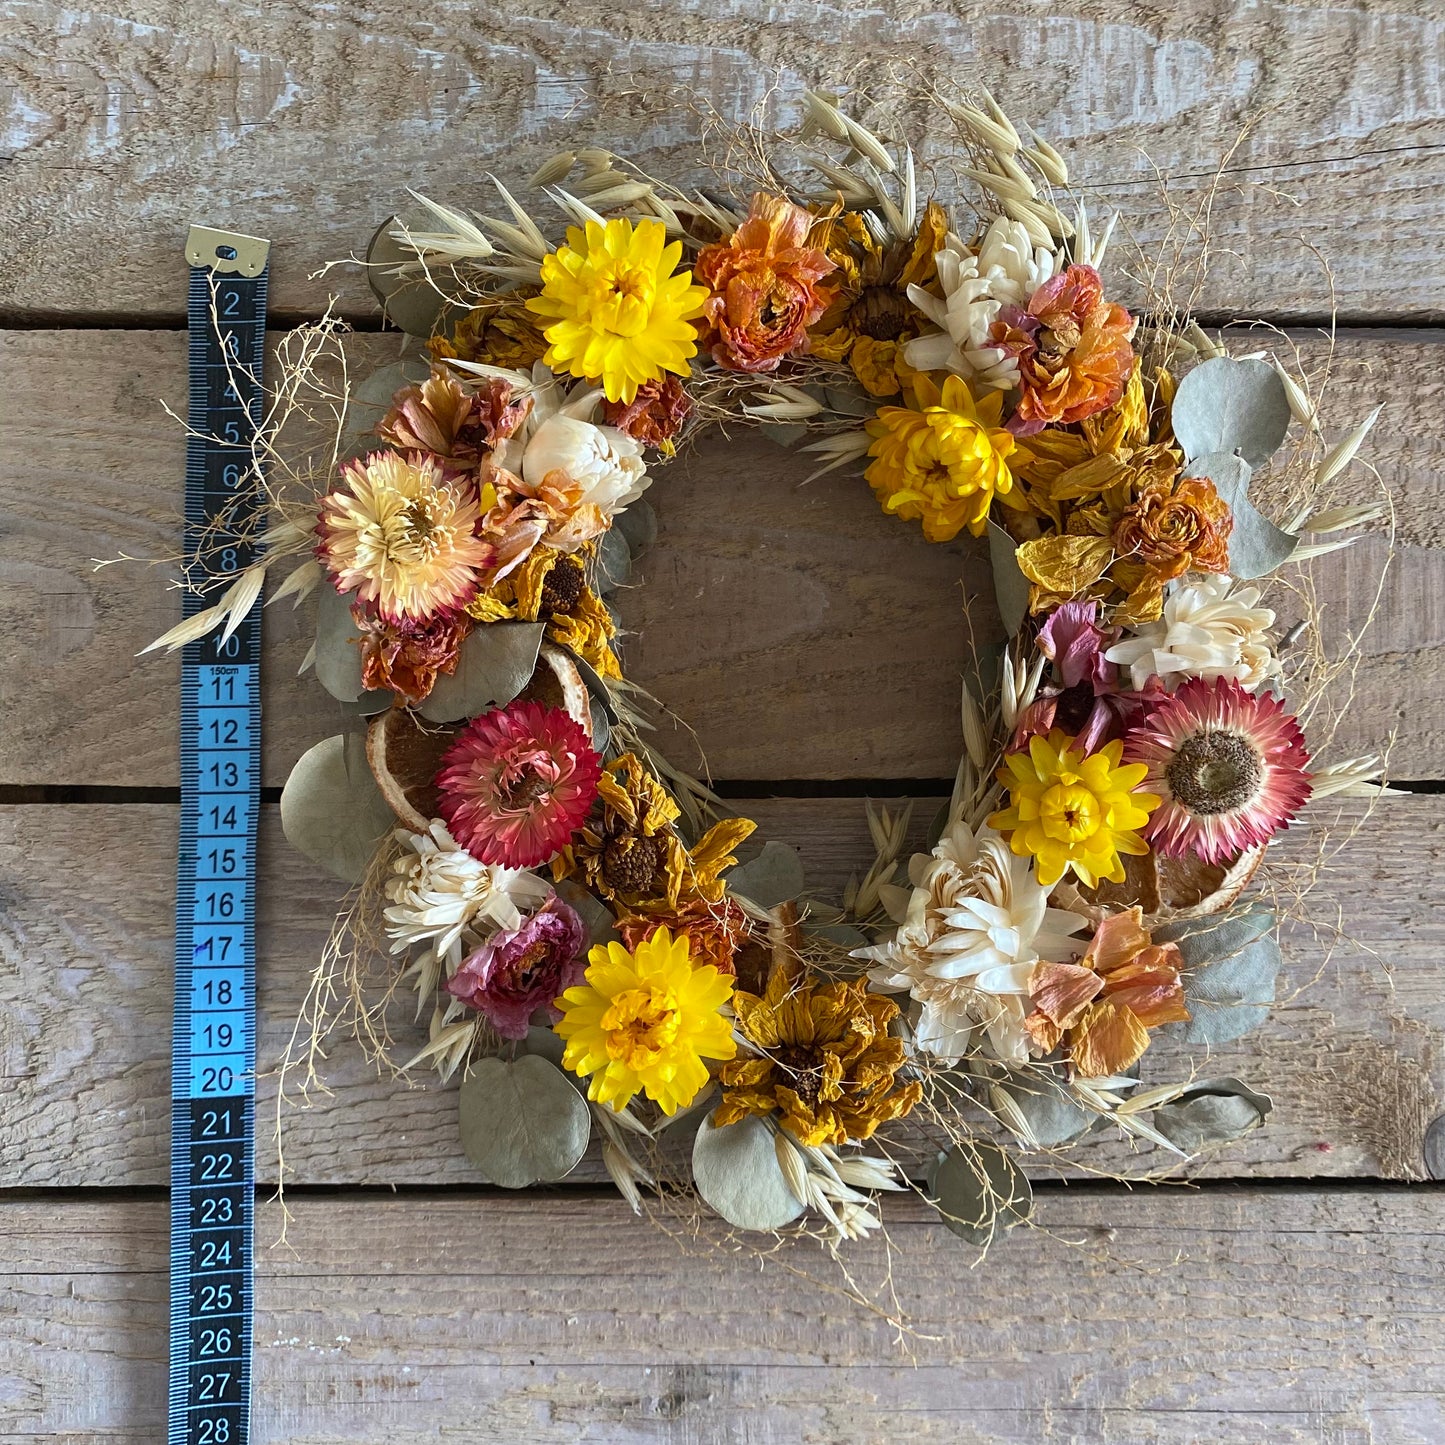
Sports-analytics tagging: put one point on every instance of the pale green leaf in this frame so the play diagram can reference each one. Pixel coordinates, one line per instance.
(736, 1171)
(495, 663)
(978, 1190)
(1213, 1111)
(338, 645)
(1225, 405)
(1256, 545)
(774, 876)
(522, 1122)
(332, 810)
(1010, 585)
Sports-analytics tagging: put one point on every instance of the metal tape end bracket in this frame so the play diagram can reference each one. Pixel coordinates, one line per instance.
(228, 252)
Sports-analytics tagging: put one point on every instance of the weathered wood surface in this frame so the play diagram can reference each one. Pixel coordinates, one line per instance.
(800, 631)
(1234, 1316)
(1352, 1055)
(308, 126)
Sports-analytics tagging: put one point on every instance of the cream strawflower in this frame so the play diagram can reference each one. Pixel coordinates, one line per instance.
(1005, 269)
(440, 892)
(1211, 627)
(400, 531)
(976, 924)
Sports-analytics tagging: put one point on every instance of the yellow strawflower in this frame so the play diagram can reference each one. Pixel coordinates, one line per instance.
(620, 313)
(644, 1022)
(1071, 811)
(943, 460)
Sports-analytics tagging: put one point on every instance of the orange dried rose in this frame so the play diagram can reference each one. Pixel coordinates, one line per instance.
(1125, 985)
(653, 417)
(764, 283)
(1173, 527)
(1072, 348)
(459, 424)
(714, 931)
(407, 657)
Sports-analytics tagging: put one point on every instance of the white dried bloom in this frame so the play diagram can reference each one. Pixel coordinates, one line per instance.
(1211, 627)
(439, 891)
(1006, 269)
(560, 435)
(977, 923)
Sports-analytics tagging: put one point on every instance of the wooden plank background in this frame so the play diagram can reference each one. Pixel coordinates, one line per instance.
(1291, 1293)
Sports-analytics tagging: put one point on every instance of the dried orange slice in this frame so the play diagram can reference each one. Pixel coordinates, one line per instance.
(404, 753)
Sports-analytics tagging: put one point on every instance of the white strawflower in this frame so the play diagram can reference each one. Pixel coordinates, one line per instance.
(1211, 627)
(440, 891)
(559, 435)
(1005, 269)
(977, 923)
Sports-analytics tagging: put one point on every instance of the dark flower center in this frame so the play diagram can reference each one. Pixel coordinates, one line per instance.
(1215, 772)
(806, 1071)
(525, 791)
(631, 864)
(1074, 707)
(527, 963)
(562, 587)
(882, 313)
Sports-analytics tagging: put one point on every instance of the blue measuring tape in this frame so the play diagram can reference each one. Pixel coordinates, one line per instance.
(213, 1046)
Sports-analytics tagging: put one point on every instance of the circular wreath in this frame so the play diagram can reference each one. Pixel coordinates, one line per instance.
(569, 907)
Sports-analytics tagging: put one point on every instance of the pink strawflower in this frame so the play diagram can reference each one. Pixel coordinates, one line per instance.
(516, 784)
(518, 971)
(1229, 766)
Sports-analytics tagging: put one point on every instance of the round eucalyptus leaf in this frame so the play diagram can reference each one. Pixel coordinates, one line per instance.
(1052, 1113)
(614, 562)
(1213, 1111)
(409, 300)
(601, 925)
(1230, 969)
(1010, 585)
(736, 1171)
(521, 1121)
(775, 876)
(978, 1190)
(495, 663)
(332, 810)
(1225, 405)
(637, 523)
(338, 646)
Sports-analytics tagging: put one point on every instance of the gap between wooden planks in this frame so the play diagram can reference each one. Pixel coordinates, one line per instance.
(800, 631)
(310, 131)
(1352, 1053)
(1173, 1317)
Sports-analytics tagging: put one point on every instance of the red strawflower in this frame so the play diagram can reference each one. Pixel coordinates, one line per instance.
(516, 784)
(1229, 766)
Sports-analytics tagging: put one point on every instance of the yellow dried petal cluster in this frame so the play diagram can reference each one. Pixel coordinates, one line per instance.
(942, 461)
(824, 1059)
(618, 310)
(1068, 811)
(644, 1021)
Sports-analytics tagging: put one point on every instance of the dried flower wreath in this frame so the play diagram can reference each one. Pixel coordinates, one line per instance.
(568, 906)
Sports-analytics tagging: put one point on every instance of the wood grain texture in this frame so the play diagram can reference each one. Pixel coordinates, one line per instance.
(800, 631)
(1352, 1054)
(1159, 1318)
(307, 124)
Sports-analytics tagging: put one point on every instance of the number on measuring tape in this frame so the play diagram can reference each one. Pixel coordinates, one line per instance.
(213, 1050)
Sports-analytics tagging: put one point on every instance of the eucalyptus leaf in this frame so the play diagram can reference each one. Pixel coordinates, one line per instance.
(332, 810)
(784, 433)
(1256, 545)
(368, 402)
(1053, 1114)
(1010, 585)
(338, 645)
(614, 562)
(850, 400)
(370, 703)
(775, 876)
(1225, 405)
(736, 1171)
(1213, 1111)
(637, 523)
(521, 1121)
(978, 1190)
(601, 925)
(411, 301)
(1230, 969)
(495, 663)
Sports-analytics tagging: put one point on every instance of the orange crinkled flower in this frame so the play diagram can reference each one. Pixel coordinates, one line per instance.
(1124, 986)
(1173, 527)
(1072, 348)
(764, 283)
